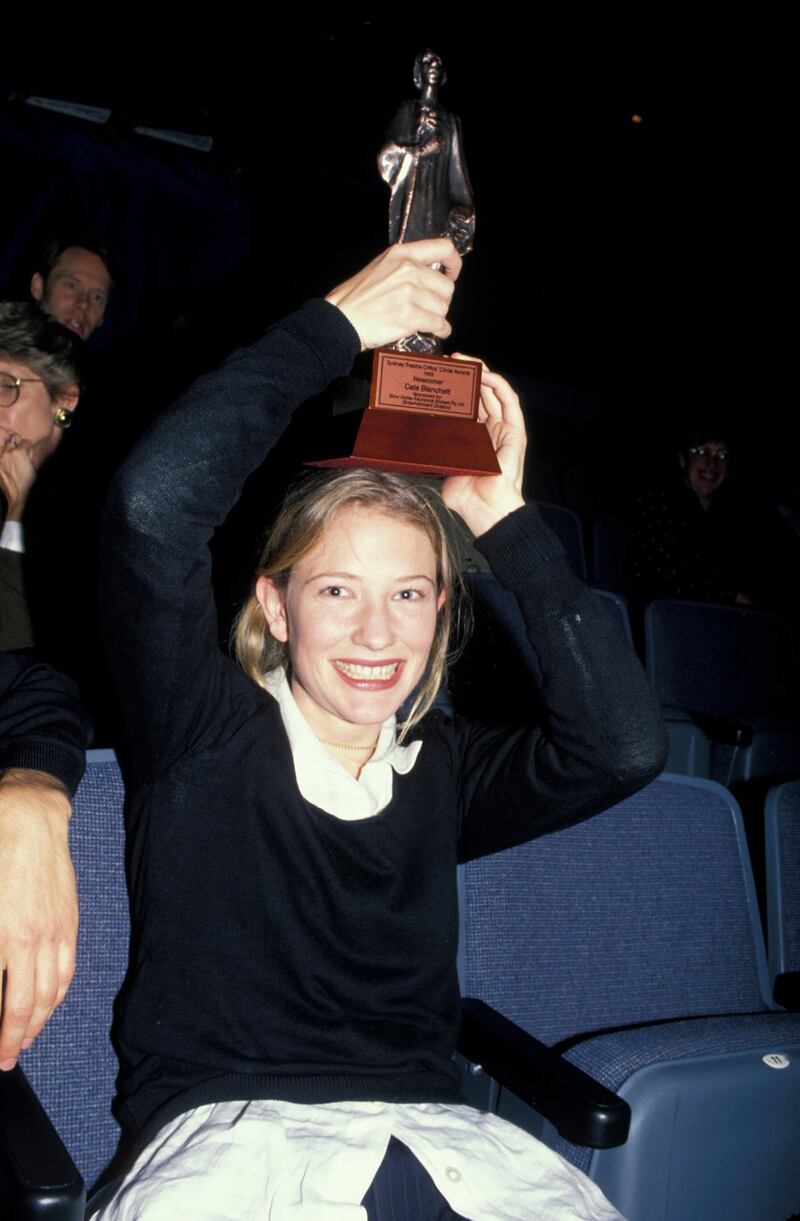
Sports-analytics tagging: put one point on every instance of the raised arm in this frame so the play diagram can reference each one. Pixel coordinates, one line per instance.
(601, 736)
(42, 755)
(186, 474)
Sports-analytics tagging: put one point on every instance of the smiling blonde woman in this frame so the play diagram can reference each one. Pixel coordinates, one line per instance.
(287, 1026)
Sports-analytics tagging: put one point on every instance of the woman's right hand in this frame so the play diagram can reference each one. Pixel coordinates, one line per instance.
(400, 293)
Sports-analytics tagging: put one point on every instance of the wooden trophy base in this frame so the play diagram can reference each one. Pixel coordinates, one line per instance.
(422, 419)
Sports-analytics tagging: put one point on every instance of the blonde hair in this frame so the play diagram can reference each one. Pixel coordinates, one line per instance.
(308, 507)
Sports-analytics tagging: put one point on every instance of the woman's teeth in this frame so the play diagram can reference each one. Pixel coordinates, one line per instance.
(354, 671)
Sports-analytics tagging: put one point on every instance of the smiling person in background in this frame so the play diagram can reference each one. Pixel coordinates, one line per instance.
(705, 465)
(72, 283)
(690, 535)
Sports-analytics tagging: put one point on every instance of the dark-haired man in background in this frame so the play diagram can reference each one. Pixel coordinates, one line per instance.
(72, 283)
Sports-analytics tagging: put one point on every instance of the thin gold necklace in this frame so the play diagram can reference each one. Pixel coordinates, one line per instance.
(345, 746)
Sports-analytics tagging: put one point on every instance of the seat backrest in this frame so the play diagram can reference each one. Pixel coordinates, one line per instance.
(782, 832)
(642, 913)
(72, 1065)
(724, 661)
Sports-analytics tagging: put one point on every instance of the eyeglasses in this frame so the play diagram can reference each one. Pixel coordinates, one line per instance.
(720, 456)
(10, 387)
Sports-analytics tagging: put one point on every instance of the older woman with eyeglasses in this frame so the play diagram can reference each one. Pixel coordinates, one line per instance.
(39, 390)
(40, 385)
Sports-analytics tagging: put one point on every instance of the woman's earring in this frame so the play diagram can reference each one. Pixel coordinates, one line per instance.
(62, 418)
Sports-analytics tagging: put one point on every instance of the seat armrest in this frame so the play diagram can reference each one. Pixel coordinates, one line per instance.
(38, 1178)
(580, 1108)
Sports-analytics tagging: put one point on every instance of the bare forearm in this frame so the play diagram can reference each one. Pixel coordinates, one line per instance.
(38, 906)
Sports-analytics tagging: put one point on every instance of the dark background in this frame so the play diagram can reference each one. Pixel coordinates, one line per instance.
(624, 273)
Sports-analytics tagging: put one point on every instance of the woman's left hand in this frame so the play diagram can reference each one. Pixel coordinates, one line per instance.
(482, 500)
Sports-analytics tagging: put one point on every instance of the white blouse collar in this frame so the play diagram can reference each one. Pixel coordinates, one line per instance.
(322, 780)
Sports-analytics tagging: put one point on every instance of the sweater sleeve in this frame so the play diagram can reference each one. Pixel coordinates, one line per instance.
(601, 737)
(179, 483)
(42, 724)
(15, 620)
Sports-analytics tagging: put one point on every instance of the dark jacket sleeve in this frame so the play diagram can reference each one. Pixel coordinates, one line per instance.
(601, 737)
(42, 724)
(179, 483)
(15, 620)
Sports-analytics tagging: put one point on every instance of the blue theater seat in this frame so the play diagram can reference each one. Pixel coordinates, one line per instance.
(782, 854)
(636, 927)
(736, 671)
(72, 1066)
(629, 947)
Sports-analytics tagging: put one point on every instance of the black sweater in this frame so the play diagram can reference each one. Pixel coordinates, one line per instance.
(42, 725)
(278, 951)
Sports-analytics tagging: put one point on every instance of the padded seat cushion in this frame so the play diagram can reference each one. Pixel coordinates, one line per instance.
(613, 1058)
